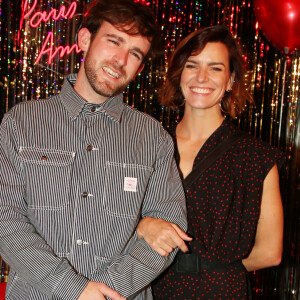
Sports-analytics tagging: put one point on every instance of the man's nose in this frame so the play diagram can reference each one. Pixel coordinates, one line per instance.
(121, 57)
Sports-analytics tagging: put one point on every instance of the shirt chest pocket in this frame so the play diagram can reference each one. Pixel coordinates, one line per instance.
(47, 175)
(125, 188)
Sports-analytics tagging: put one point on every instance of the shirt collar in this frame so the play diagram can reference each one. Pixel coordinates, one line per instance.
(75, 104)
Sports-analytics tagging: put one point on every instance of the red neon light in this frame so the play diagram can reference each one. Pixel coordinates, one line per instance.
(63, 50)
(44, 16)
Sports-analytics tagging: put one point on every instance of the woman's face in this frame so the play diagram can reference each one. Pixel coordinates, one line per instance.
(206, 77)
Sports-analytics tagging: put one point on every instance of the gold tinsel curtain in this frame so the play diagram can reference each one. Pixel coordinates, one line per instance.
(274, 85)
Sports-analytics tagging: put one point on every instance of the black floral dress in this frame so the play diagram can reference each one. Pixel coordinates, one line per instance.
(223, 209)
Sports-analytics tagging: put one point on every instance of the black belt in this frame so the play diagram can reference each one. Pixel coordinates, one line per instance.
(193, 263)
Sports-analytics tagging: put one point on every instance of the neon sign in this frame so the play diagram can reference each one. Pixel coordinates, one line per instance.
(36, 18)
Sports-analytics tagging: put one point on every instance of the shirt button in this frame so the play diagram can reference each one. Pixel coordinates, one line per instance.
(84, 194)
(44, 158)
(79, 242)
(89, 147)
(93, 109)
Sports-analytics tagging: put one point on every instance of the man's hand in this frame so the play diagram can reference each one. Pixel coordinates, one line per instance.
(162, 236)
(98, 291)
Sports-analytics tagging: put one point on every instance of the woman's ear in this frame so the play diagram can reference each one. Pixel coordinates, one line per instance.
(84, 39)
(230, 82)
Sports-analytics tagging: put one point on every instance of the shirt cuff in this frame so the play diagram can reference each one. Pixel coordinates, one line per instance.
(104, 278)
(70, 287)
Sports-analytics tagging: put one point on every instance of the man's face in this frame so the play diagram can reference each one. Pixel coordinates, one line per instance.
(113, 59)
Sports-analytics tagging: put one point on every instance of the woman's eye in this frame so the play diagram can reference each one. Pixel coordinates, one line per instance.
(216, 69)
(189, 66)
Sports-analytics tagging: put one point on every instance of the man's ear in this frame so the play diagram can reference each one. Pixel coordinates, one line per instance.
(84, 39)
(140, 69)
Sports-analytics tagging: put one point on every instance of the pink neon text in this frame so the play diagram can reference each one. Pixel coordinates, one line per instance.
(45, 17)
(36, 18)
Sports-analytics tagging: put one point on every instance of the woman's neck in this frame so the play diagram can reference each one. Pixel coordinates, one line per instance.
(196, 125)
(191, 133)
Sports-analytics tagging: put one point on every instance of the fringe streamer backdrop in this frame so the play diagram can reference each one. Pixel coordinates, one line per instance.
(23, 80)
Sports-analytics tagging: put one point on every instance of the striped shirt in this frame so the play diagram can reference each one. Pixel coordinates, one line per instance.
(75, 179)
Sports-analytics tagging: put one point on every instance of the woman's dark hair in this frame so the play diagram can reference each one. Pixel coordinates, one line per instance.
(128, 16)
(233, 102)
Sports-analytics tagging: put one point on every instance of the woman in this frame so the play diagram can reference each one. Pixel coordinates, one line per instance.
(234, 207)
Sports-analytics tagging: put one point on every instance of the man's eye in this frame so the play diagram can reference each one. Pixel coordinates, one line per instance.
(136, 55)
(114, 42)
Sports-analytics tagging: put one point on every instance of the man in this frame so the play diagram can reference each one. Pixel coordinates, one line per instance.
(79, 170)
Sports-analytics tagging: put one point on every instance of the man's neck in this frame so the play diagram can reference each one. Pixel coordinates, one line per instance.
(84, 89)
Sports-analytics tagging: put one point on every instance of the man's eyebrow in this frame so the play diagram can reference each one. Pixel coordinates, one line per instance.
(120, 39)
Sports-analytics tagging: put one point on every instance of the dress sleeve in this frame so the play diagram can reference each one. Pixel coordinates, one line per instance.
(140, 264)
(21, 246)
(266, 156)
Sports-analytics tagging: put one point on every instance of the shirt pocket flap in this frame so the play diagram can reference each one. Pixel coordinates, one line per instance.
(50, 157)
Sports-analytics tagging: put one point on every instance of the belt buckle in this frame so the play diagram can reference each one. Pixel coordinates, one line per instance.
(188, 263)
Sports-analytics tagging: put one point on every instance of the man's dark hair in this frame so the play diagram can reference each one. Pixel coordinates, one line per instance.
(128, 16)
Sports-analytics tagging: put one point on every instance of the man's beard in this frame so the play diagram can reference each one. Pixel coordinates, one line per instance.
(102, 88)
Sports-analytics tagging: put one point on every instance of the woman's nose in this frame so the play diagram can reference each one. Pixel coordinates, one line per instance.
(202, 74)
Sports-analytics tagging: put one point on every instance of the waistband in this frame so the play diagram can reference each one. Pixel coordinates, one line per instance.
(193, 263)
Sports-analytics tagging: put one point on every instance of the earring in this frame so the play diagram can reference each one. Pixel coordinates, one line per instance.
(220, 104)
(183, 102)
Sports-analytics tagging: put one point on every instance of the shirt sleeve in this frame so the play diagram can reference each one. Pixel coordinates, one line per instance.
(140, 265)
(20, 245)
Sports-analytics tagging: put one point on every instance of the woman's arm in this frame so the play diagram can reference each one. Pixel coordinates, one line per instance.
(267, 249)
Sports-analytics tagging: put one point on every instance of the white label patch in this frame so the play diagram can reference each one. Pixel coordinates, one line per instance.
(130, 184)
